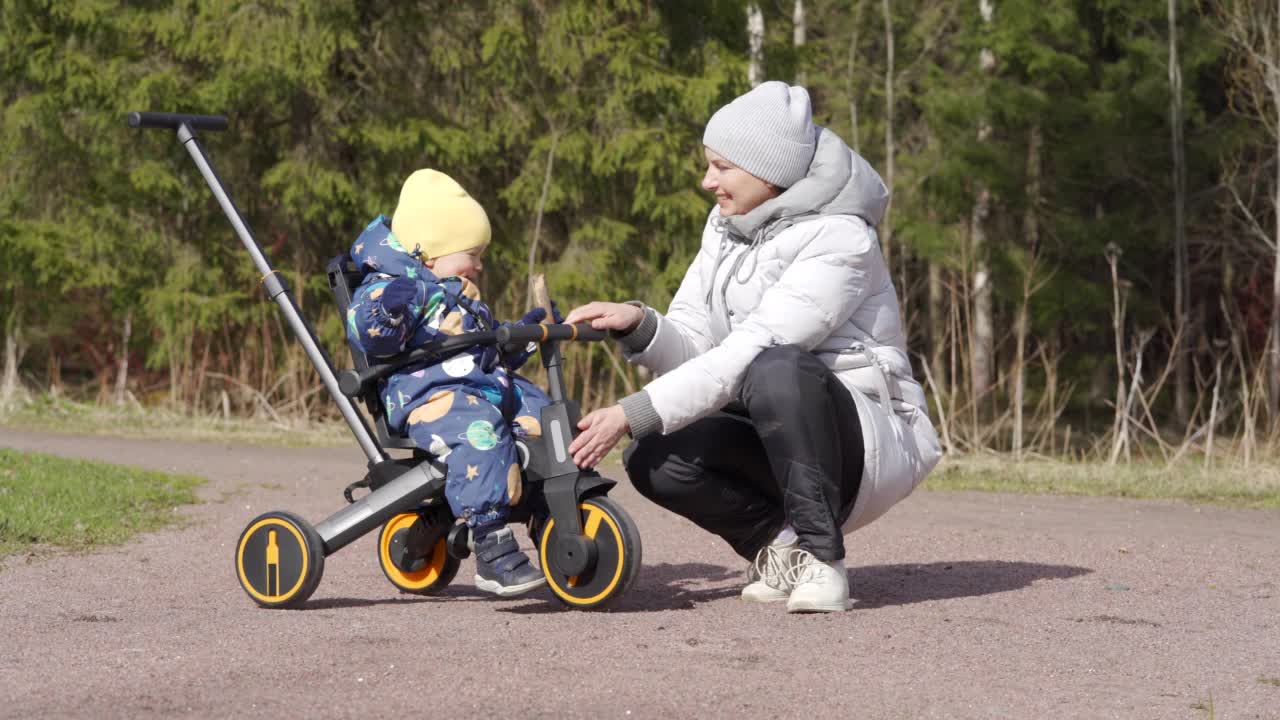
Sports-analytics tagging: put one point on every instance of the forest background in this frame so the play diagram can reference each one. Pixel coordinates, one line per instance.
(1083, 228)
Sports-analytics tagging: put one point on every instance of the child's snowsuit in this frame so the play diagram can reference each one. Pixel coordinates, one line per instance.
(467, 410)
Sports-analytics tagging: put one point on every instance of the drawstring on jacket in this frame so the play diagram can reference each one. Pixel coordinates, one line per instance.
(883, 371)
(753, 249)
(718, 222)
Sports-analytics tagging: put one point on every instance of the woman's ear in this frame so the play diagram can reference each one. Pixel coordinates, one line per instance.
(429, 263)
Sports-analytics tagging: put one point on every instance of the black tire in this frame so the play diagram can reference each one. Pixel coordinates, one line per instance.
(618, 557)
(430, 572)
(279, 560)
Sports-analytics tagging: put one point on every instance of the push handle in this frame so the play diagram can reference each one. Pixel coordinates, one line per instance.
(171, 121)
(522, 334)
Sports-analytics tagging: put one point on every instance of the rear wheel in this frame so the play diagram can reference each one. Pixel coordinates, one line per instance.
(413, 551)
(279, 560)
(616, 542)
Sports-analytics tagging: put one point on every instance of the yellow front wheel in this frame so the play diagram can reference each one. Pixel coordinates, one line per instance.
(617, 556)
(413, 552)
(279, 560)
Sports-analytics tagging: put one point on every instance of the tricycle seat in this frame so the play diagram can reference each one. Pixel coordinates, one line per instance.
(344, 277)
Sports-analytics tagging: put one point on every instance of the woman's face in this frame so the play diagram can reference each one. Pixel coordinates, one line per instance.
(737, 191)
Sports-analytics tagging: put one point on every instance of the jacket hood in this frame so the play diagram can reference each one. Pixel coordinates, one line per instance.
(839, 182)
(377, 250)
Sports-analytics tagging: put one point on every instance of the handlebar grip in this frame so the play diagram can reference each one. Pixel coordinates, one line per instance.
(521, 334)
(171, 121)
(587, 333)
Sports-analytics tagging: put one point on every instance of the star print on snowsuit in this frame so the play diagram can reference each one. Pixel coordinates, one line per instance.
(467, 410)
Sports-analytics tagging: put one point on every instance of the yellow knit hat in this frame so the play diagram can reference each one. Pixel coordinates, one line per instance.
(436, 216)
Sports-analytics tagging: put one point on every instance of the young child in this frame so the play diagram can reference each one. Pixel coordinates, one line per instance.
(468, 409)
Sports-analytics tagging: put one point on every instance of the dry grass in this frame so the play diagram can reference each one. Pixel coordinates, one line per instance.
(1226, 483)
(67, 416)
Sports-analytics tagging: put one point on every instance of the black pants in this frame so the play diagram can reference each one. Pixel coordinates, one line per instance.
(795, 457)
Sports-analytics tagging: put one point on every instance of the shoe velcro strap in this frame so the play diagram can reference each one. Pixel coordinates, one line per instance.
(511, 562)
(504, 543)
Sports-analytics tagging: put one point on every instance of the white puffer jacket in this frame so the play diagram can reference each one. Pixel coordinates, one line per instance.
(801, 269)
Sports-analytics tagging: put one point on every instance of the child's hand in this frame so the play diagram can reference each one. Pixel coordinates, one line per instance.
(533, 317)
(399, 295)
(537, 315)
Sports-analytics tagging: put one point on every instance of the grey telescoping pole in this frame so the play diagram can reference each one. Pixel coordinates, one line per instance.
(279, 292)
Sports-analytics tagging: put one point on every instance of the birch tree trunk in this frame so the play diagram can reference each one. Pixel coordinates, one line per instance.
(886, 224)
(983, 344)
(537, 223)
(122, 368)
(1120, 428)
(849, 75)
(14, 350)
(755, 40)
(798, 35)
(938, 309)
(1273, 84)
(1182, 376)
(1031, 231)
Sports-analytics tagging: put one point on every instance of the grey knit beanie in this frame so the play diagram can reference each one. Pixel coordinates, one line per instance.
(768, 132)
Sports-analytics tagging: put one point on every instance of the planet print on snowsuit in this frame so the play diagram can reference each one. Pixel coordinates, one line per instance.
(467, 410)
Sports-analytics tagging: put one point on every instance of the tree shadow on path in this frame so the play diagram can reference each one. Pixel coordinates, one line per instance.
(888, 585)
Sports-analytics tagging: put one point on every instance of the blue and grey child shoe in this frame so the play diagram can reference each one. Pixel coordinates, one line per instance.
(501, 568)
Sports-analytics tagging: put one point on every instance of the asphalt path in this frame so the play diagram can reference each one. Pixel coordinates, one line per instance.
(968, 605)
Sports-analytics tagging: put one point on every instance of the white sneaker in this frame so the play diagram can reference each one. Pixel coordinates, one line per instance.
(816, 586)
(768, 574)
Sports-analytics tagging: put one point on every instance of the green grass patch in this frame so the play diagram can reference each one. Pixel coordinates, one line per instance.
(48, 501)
(1255, 486)
(59, 414)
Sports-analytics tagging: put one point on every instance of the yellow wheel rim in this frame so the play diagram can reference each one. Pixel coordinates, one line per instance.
(276, 523)
(418, 579)
(596, 517)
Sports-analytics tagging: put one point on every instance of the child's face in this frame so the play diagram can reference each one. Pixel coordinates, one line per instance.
(466, 264)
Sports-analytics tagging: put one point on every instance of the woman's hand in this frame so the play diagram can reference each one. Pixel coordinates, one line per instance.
(607, 316)
(601, 430)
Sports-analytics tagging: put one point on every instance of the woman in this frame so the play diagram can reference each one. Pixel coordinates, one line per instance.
(785, 412)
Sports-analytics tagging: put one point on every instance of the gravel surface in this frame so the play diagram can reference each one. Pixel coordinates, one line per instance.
(968, 606)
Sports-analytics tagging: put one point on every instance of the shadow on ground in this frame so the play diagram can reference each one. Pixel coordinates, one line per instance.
(665, 586)
(683, 586)
(887, 585)
(342, 603)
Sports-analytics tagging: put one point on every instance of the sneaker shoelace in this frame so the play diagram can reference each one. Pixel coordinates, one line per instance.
(770, 566)
(803, 567)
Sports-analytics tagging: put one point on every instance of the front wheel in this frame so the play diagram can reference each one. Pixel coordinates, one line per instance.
(279, 560)
(617, 556)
